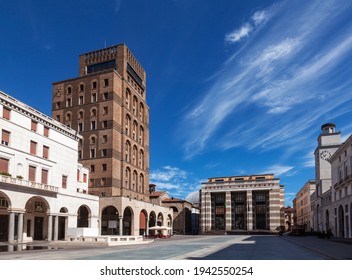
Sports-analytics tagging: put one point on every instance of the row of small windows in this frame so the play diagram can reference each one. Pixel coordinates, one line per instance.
(80, 114)
(135, 85)
(81, 87)
(33, 147)
(6, 114)
(81, 100)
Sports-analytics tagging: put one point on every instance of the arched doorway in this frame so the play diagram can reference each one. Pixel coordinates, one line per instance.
(341, 221)
(152, 221)
(317, 216)
(169, 224)
(36, 218)
(83, 216)
(160, 220)
(143, 222)
(327, 225)
(4, 216)
(127, 221)
(110, 221)
(62, 223)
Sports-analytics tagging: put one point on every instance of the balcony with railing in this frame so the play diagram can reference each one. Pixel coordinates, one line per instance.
(27, 184)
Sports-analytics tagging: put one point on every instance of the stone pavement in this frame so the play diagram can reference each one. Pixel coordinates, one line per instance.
(335, 249)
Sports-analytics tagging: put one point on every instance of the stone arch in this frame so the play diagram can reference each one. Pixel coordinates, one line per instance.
(5, 204)
(127, 221)
(174, 209)
(83, 216)
(134, 180)
(110, 221)
(80, 114)
(36, 218)
(93, 112)
(128, 151)
(141, 111)
(134, 105)
(68, 116)
(93, 140)
(152, 219)
(143, 220)
(128, 98)
(62, 223)
(160, 219)
(169, 221)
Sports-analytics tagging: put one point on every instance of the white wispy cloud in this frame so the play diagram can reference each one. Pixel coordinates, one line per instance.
(277, 169)
(238, 34)
(258, 18)
(177, 182)
(168, 173)
(285, 82)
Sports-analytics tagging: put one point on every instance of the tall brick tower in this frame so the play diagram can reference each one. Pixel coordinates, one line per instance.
(106, 103)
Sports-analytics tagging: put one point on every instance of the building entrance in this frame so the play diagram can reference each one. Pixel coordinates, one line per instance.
(4, 227)
(218, 211)
(38, 228)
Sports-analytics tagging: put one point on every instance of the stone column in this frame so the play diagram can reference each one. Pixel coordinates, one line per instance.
(206, 212)
(50, 227)
(11, 236)
(56, 228)
(249, 211)
(228, 213)
(20, 228)
(147, 229)
(121, 225)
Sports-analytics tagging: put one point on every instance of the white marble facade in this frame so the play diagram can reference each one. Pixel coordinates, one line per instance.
(43, 188)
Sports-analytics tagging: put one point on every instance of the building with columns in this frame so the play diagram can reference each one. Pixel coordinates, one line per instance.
(242, 203)
(106, 103)
(43, 188)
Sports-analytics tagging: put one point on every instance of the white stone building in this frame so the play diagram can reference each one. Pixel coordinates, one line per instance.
(43, 189)
(338, 215)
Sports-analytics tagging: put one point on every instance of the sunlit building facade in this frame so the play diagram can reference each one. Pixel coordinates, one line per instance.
(43, 188)
(242, 203)
(107, 104)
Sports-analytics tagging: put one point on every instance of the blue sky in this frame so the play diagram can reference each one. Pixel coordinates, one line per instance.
(234, 87)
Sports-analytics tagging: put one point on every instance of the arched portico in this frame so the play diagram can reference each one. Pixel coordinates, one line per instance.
(5, 204)
(37, 225)
(62, 223)
(110, 221)
(127, 221)
(143, 222)
(341, 222)
(160, 220)
(83, 216)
